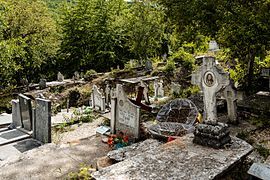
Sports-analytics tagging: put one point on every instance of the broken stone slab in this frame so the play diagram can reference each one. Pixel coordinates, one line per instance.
(178, 159)
(133, 150)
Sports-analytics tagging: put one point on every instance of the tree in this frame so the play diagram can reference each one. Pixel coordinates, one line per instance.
(241, 26)
(28, 39)
(91, 37)
(145, 28)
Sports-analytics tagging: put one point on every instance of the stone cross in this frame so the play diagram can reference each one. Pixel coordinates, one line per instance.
(211, 78)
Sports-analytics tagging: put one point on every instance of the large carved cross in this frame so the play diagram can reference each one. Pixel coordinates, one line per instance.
(211, 78)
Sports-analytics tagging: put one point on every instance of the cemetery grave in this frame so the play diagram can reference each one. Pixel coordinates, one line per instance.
(177, 119)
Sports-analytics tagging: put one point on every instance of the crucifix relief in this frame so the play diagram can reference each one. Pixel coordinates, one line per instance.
(211, 78)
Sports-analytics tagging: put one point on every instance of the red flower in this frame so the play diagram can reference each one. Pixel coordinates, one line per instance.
(170, 138)
(125, 138)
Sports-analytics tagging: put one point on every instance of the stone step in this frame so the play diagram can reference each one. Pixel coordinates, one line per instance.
(10, 136)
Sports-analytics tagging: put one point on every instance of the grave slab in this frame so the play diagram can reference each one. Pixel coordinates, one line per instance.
(10, 136)
(15, 149)
(179, 159)
(5, 119)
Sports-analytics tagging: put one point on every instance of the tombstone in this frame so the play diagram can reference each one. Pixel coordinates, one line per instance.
(26, 112)
(148, 65)
(42, 83)
(16, 114)
(107, 94)
(231, 97)
(145, 92)
(160, 89)
(156, 87)
(76, 75)
(212, 79)
(60, 77)
(213, 46)
(42, 128)
(125, 116)
(98, 99)
(266, 73)
(175, 88)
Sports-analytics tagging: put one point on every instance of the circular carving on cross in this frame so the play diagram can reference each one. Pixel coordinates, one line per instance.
(209, 78)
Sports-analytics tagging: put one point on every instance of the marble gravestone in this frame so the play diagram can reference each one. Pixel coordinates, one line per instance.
(231, 98)
(42, 125)
(26, 112)
(16, 113)
(60, 77)
(125, 116)
(212, 79)
(98, 100)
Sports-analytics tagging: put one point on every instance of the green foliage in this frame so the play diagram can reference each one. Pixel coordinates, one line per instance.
(264, 152)
(185, 93)
(242, 27)
(90, 72)
(184, 58)
(83, 173)
(28, 39)
(144, 25)
(91, 35)
(170, 67)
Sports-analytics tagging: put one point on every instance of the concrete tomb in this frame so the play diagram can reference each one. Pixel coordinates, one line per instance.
(125, 116)
(98, 100)
(42, 125)
(212, 79)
